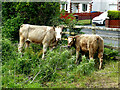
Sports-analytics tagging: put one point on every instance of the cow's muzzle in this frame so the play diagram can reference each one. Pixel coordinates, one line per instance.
(58, 39)
(69, 46)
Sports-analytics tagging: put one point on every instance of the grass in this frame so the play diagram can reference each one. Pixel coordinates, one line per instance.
(0, 58)
(58, 70)
(84, 22)
(105, 78)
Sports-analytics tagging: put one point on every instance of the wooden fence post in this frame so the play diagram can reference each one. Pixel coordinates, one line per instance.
(93, 30)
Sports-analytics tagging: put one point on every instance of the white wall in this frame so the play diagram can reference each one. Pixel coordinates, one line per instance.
(103, 5)
(80, 7)
(96, 5)
(112, 7)
(68, 6)
(88, 7)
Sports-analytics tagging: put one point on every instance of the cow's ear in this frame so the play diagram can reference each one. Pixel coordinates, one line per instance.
(74, 39)
(54, 28)
(62, 26)
(22, 25)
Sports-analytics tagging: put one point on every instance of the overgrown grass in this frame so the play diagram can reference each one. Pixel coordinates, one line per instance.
(105, 78)
(58, 69)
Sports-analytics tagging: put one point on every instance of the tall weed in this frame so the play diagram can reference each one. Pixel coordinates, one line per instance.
(86, 66)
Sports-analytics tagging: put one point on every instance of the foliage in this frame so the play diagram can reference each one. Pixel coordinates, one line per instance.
(109, 54)
(8, 50)
(114, 15)
(33, 12)
(69, 21)
(58, 66)
(11, 27)
(86, 66)
(31, 63)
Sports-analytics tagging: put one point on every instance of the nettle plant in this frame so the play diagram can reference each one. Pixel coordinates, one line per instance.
(86, 66)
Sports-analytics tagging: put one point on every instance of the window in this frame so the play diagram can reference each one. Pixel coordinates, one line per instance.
(63, 6)
(66, 6)
(77, 6)
(84, 7)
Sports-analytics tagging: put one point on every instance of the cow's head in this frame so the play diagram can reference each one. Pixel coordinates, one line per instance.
(58, 31)
(71, 40)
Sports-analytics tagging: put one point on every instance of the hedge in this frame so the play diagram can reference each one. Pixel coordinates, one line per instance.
(114, 15)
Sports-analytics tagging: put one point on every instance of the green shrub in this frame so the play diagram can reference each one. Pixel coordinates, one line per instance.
(8, 50)
(86, 66)
(11, 28)
(114, 15)
(110, 54)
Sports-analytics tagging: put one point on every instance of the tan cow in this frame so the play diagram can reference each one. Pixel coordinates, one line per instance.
(87, 42)
(46, 35)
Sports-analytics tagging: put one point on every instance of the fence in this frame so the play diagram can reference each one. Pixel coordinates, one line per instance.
(94, 32)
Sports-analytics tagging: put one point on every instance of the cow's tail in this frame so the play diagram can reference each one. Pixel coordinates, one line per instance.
(100, 44)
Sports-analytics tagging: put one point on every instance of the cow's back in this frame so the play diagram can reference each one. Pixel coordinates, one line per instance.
(34, 33)
(87, 41)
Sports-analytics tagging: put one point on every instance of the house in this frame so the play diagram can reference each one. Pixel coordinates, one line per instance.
(76, 6)
(79, 6)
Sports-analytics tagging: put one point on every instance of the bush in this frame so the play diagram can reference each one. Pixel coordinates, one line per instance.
(11, 28)
(114, 15)
(110, 54)
(37, 14)
(86, 67)
(8, 50)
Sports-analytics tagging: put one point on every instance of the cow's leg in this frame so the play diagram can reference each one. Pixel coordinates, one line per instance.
(83, 54)
(44, 50)
(91, 53)
(27, 44)
(21, 44)
(51, 48)
(77, 55)
(100, 56)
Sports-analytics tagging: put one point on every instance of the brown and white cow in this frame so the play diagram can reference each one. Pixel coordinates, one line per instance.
(87, 42)
(46, 35)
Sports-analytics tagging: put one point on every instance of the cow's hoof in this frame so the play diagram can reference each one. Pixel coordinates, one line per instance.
(43, 58)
